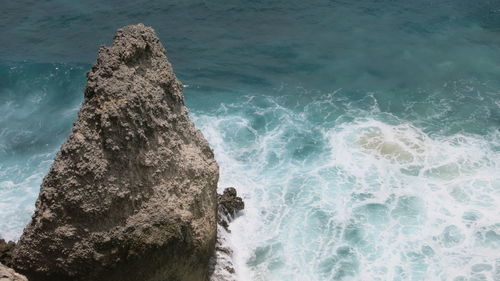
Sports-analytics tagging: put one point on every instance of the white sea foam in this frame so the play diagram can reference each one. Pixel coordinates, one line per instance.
(438, 198)
(356, 198)
(16, 204)
(19, 185)
(222, 267)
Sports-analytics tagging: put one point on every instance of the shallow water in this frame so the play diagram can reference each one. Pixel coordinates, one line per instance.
(363, 135)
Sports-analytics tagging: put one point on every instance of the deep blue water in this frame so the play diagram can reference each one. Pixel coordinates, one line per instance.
(364, 135)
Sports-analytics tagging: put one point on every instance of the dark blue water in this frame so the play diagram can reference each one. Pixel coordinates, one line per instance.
(364, 135)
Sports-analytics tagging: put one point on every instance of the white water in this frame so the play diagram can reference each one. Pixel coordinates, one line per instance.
(356, 198)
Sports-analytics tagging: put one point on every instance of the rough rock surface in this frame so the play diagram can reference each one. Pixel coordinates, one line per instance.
(229, 202)
(6, 249)
(131, 195)
(8, 274)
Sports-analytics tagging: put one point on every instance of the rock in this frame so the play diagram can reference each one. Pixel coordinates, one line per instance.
(229, 202)
(229, 205)
(222, 265)
(6, 249)
(229, 269)
(8, 274)
(131, 195)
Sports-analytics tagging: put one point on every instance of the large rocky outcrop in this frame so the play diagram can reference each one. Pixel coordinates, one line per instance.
(132, 194)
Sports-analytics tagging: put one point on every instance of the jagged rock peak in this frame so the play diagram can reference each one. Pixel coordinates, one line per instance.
(136, 52)
(132, 193)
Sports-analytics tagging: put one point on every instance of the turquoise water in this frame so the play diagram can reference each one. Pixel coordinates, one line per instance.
(363, 135)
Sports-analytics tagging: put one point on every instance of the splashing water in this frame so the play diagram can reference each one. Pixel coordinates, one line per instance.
(371, 198)
(38, 102)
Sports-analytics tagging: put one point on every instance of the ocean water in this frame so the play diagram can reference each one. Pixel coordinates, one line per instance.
(363, 135)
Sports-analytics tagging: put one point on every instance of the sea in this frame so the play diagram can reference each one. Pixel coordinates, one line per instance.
(363, 135)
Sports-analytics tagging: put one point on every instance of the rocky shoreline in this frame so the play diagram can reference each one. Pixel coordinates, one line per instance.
(132, 193)
(222, 267)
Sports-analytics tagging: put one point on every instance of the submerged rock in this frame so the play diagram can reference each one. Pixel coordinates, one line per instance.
(131, 195)
(8, 274)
